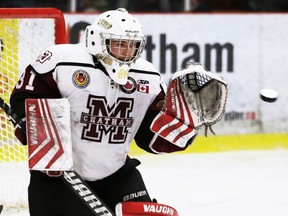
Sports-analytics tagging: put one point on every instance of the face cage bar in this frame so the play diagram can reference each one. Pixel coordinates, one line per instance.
(137, 41)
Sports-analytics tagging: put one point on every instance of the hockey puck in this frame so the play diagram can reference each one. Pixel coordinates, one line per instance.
(268, 95)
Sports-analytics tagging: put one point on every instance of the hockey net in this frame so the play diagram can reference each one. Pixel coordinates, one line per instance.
(24, 33)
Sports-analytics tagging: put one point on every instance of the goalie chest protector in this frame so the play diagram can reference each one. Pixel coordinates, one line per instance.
(105, 116)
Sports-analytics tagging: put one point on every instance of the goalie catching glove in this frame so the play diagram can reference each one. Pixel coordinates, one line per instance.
(195, 98)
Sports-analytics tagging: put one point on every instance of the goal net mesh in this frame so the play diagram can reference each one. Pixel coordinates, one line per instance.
(24, 33)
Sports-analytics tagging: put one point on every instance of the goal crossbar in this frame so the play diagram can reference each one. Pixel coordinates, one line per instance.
(39, 13)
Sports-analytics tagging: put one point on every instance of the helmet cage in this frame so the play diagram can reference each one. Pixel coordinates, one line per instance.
(137, 43)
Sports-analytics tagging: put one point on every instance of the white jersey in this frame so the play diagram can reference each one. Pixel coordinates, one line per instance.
(105, 116)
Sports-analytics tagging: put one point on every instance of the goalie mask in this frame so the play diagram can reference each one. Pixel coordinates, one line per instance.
(117, 40)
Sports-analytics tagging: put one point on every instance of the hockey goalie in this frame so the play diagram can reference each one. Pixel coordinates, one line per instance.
(113, 97)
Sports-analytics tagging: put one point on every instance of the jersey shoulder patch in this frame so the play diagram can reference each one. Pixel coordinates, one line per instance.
(58, 54)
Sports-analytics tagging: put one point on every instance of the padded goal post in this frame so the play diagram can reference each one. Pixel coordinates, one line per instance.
(24, 33)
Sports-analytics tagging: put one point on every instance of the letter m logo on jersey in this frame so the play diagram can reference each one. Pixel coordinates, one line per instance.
(107, 122)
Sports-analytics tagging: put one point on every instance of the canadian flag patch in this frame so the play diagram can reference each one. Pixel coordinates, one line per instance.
(143, 86)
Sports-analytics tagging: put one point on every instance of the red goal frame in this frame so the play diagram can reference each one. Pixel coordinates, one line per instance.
(14, 198)
(56, 14)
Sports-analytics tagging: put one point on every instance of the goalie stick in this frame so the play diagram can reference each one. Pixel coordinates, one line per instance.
(70, 178)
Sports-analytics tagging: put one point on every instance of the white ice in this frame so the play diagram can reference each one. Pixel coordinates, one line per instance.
(246, 183)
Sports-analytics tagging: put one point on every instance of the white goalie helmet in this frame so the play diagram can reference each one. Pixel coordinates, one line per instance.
(116, 38)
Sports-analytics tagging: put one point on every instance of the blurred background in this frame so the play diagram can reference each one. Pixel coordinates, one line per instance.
(155, 5)
(243, 40)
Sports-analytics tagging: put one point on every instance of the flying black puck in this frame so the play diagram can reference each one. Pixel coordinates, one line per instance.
(268, 95)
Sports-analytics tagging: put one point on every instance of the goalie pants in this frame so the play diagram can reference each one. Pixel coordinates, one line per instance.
(51, 196)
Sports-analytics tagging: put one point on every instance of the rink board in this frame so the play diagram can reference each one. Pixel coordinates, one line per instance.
(222, 143)
(202, 144)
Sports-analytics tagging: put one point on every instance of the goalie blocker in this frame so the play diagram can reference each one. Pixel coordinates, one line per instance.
(49, 134)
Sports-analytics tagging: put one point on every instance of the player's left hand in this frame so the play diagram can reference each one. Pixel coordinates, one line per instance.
(195, 98)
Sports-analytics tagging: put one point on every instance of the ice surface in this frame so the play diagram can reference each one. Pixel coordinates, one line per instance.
(248, 183)
(245, 183)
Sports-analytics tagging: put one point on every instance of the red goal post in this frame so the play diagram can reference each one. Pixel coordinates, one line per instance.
(24, 34)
